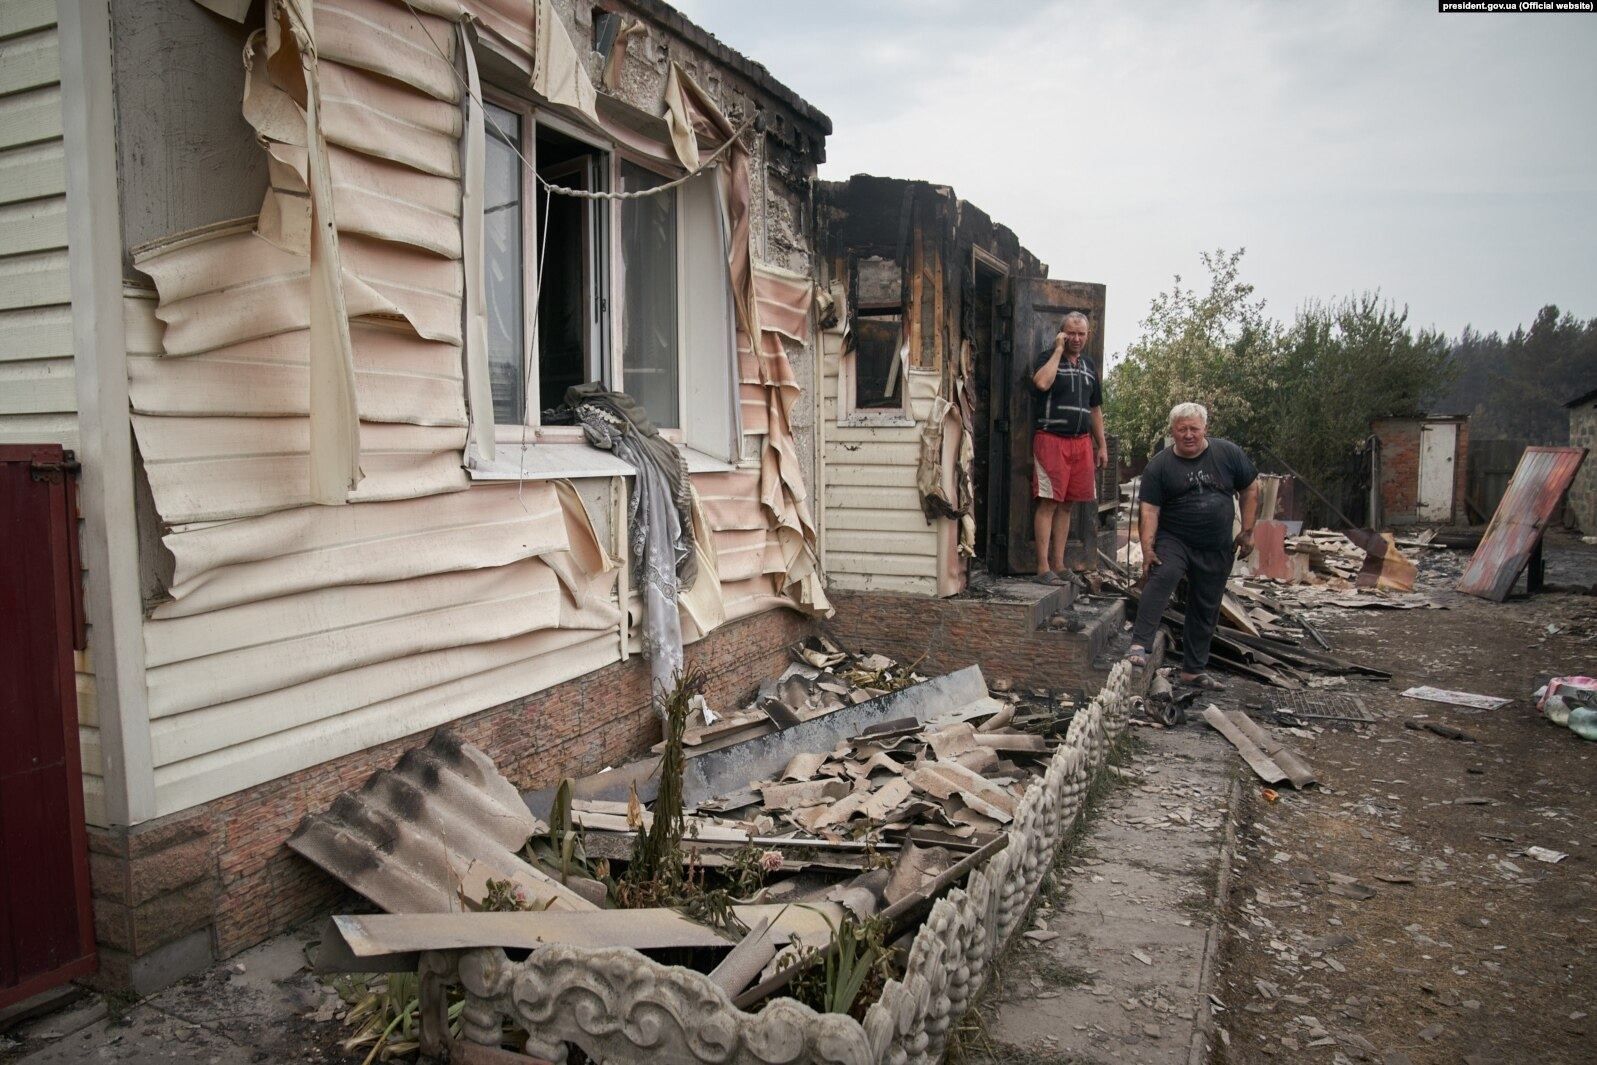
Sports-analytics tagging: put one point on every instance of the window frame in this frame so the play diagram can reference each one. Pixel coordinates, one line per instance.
(618, 155)
(849, 413)
(531, 117)
(606, 353)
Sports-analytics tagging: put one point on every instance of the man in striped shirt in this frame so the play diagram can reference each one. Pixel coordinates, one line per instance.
(1067, 441)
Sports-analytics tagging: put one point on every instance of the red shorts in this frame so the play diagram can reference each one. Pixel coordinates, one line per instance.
(1062, 468)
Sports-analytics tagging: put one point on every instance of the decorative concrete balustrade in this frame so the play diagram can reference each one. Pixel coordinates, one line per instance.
(620, 1006)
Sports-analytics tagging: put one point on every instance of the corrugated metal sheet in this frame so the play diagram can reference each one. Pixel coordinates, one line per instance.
(1539, 483)
(414, 839)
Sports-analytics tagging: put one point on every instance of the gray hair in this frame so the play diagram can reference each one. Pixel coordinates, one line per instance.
(1076, 316)
(1188, 410)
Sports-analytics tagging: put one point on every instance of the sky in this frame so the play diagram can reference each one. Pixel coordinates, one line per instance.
(1449, 161)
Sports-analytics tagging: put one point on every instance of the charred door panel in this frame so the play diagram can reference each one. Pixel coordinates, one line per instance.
(1038, 307)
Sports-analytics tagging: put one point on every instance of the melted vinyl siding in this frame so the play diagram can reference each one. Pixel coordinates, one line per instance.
(38, 399)
(876, 539)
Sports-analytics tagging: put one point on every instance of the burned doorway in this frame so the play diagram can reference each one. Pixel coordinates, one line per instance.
(986, 329)
(1035, 312)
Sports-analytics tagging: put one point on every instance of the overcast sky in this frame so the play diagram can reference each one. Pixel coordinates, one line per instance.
(1448, 160)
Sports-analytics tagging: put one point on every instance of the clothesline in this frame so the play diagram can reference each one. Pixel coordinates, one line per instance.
(563, 190)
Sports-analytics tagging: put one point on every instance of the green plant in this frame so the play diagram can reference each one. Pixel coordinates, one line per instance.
(849, 973)
(384, 1010)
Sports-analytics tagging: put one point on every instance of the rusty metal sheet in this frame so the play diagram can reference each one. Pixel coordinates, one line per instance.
(1540, 481)
(408, 839)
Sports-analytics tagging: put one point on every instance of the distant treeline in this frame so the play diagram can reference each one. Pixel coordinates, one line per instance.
(1515, 387)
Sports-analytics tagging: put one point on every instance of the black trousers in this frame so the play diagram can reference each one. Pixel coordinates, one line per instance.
(1206, 573)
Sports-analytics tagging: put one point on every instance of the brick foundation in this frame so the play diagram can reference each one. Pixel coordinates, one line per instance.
(172, 894)
(950, 634)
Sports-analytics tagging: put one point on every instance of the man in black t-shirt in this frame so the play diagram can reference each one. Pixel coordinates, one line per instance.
(1185, 522)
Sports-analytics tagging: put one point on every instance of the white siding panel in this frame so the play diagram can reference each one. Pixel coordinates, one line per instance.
(857, 497)
(36, 386)
(32, 171)
(245, 561)
(895, 565)
(883, 476)
(36, 332)
(34, 280)
(318, 702)
(208, 469)
(25, 16)
(33, 225)
(40, 429)
(881, 582)
(29, 61)
(188, 783)
(30, 117)
(904, 540)
(241, 651)
(873, 452)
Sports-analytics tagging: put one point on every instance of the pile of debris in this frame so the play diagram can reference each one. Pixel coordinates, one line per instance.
(850, 785)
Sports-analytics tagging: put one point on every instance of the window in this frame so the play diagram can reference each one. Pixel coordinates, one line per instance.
(503, 224)
(568, 344)
(659, 261)
(649, 281)
(874, 383)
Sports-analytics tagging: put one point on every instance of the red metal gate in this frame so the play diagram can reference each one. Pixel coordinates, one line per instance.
(46, 923)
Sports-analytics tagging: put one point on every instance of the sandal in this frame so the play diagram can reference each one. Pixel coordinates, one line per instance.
(1050, 578)
(1202, 681)
(1137, 655)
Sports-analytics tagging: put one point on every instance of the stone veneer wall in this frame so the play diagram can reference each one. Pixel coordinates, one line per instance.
(170, 895)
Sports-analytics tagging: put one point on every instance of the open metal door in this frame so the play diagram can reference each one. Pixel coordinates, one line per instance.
(1037, 307)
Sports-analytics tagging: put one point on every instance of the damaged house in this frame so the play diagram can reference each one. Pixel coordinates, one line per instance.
(319, 313)
(329, 432)
(935, 312)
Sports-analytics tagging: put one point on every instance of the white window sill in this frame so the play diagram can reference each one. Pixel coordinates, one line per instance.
(552, 460)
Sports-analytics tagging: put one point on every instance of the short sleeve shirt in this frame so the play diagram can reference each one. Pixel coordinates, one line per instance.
(1194, 496)
(1066, 408)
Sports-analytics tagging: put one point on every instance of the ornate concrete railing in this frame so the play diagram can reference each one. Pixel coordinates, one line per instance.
(620, 1006)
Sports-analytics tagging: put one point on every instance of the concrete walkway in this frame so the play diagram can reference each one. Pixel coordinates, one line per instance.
(1120, 980)
(262, 1006)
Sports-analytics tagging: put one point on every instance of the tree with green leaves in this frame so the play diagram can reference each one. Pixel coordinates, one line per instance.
(1215, 347)
(1307, 391)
